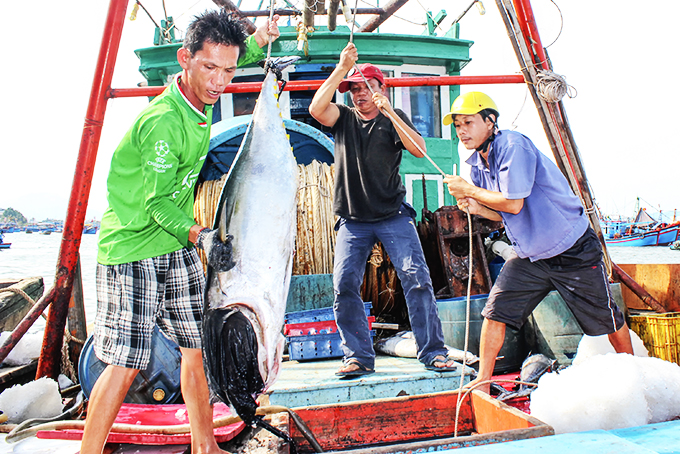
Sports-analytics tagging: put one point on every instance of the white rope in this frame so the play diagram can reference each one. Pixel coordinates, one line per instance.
(552, 87)
(467, 319)
(269, 37)
(354, 21)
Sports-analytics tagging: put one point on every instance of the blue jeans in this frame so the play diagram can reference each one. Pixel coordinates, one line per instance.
(399, 237)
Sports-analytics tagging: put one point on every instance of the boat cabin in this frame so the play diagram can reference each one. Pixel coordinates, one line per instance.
(396, 55)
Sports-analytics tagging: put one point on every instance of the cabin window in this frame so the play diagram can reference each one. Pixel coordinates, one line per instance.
(423, 106)
(300, 99)
(244, 103)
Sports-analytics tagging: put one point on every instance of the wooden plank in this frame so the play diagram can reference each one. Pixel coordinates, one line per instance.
(77, 324)
(13, 307)
(306, 383)
(17, 374)
(662, 281)
(444, 444)
(592, 442)
(661, 438)
(310, 291)
(345, 425)
(494, 416)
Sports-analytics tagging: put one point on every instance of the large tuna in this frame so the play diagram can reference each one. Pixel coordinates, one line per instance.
(245, 306)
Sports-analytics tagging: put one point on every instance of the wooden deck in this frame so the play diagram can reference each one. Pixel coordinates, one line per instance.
(314, 382)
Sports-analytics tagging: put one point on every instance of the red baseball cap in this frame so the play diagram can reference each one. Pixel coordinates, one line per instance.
(368, 70)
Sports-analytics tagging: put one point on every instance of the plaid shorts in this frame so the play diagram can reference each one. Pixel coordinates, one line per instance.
(134, 297)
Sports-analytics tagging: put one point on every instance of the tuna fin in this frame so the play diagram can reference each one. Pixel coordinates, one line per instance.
(223, 224)
(230, 351)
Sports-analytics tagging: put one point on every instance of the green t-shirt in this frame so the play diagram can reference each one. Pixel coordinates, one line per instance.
(150, 188)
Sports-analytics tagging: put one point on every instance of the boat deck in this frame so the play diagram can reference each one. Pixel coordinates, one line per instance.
(661, 438)
(314, 382)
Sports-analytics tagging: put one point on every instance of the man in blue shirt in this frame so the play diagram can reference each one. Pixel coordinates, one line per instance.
(556, 249)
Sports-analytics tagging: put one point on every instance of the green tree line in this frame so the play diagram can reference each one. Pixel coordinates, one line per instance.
(12, 215)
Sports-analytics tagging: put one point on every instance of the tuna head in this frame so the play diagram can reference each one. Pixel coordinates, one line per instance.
(232, 362)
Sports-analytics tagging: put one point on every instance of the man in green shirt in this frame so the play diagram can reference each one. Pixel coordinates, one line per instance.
(149, 273)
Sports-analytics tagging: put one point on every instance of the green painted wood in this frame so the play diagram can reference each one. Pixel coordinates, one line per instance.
(311, 291)
(158, 62)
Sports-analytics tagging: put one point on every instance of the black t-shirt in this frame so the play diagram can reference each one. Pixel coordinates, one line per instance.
(368, 186)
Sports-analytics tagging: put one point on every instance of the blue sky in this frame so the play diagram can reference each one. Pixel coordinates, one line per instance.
(618, 55)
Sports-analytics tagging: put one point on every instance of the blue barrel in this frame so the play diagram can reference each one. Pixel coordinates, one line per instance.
(452, 314)
(158, 384)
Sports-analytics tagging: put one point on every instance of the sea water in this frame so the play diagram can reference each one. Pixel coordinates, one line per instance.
(36, 255)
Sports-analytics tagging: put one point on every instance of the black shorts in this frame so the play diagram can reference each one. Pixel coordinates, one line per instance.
(579, 276)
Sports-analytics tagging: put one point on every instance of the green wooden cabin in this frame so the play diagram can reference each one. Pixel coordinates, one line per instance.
(397, 55)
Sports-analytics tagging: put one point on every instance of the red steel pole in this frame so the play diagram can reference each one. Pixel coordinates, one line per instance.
(50, 356)
(301, 85)
(527, 21)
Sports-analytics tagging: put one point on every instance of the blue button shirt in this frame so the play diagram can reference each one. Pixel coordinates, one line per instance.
(552, 218)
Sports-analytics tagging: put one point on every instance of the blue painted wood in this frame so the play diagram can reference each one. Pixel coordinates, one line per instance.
(314, 383)
(593, 442)
(661, 438)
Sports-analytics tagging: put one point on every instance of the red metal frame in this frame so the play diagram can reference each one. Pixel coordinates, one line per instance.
(60, 294)
(301, 85)
(527, 23)
(50, 356)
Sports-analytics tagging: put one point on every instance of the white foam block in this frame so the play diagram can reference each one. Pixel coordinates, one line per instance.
(607, 392)
(37, 399)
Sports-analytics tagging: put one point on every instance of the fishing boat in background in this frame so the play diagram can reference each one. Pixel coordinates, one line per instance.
(642, 230)
(4, 245)
(91, 227)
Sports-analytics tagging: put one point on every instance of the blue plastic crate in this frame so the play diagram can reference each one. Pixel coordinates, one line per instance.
(317, 315)
(315, 346)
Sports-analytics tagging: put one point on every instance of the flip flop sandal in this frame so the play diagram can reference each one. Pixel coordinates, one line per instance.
(362, 370)
(440, 359)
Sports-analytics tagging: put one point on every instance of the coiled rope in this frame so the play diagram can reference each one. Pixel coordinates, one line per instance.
(552, 87)
(315, 238)
(205, 207)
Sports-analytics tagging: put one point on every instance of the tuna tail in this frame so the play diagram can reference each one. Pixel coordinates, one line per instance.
(231, 366)
(277, 65)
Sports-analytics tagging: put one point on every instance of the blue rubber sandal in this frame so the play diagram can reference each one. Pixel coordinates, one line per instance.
(440, 359)
(362, 370)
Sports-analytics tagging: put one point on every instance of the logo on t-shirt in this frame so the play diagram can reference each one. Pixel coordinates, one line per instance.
(162, 148)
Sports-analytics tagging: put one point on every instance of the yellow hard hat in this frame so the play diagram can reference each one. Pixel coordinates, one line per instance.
(470, 104)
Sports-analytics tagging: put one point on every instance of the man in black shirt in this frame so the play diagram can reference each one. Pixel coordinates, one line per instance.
(369, 201)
